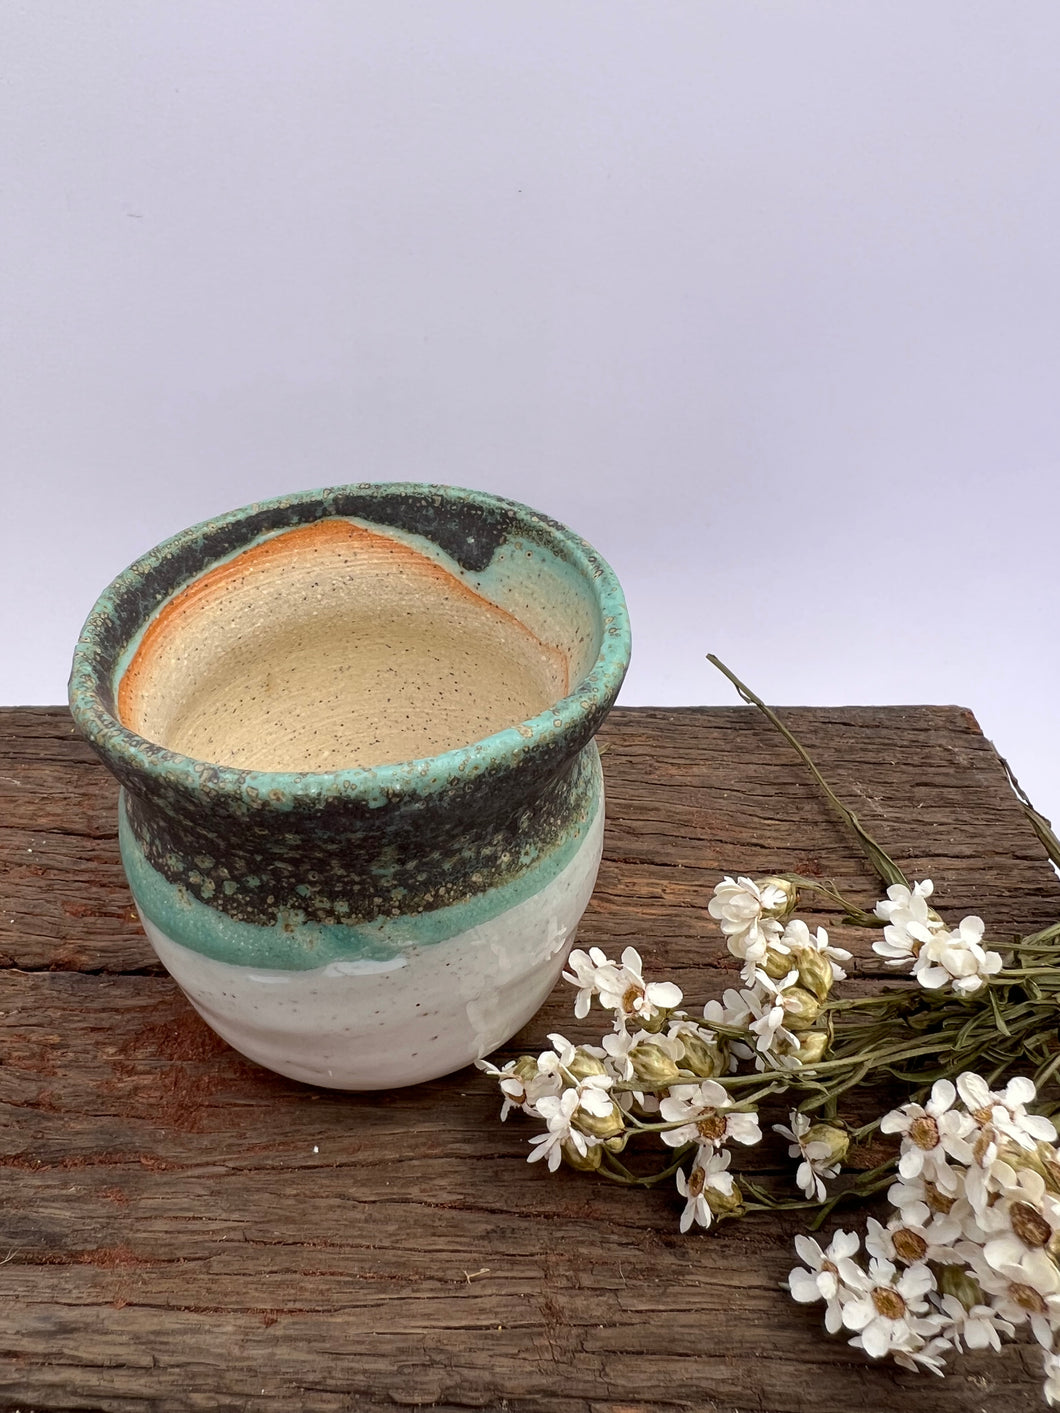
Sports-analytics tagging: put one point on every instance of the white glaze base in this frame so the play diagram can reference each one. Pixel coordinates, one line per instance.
(381, 1025)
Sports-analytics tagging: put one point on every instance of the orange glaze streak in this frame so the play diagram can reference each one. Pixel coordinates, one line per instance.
(271, 555)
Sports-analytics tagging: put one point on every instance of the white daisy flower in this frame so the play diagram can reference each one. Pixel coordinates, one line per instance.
(900, 947)
(831, 1275)
(558, 1112)
(797, 938)
(910, 1237)
(902, 903)
(956, 959)
(624, 990)
(705, 1114)
(594, 1095)
(619, 1045)
(919, 1353)
(818, 1156)
(587, 970)
(559, 1058)
(709, 1173)
(946, 1218)
(884, 1317)
(982, 1178)
(1024, 1292)
(522, 1083)
(1023, 1218)
(1006, 1109)
(780, 1009)
(618, 1048)
(748, 912)
(910, 923)
(978, 1327)
(932, 1134)
(731, 1011)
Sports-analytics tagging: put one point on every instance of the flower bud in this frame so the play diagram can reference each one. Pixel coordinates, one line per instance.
(801, 1008)
(705, 1058)
(791, 897)
(646, 1107)
(653, 1065)
(957, 1280)
(777, 964)
(813, 1046)
(1042, 1159)
(815, 972)
(656, 1021)
(586, 1162)
(724, 1204)
(1048, 1165)
(584, 1064)
(616, 1144)
(597, 1126)
(834, 1139)
(525, 1068)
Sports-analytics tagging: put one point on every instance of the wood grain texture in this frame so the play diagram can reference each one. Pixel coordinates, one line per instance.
(180, 1229)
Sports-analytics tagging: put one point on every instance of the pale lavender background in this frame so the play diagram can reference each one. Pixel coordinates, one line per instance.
(762, 298)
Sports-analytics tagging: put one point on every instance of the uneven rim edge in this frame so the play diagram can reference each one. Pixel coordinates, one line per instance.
(420, 777)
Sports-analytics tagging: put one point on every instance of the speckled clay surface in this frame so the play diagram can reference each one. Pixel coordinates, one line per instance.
(354, 730)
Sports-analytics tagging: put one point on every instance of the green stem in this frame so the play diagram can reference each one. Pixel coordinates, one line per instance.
(614, 1170)
(880, 860)
(1041, 826)
(851, 912)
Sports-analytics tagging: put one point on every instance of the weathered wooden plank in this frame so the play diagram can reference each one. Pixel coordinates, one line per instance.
(184, 1230)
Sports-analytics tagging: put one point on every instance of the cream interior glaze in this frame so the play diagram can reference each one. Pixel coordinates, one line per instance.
(331, 646)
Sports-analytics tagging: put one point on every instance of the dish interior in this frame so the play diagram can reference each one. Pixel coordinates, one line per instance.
(334, 645)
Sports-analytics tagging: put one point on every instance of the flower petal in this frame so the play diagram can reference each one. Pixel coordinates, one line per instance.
(803, 1286)
(858, 1313)
(875, 1338)
(943, 1094)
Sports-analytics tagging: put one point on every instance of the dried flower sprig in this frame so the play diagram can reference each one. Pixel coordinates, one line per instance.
(972, 1249)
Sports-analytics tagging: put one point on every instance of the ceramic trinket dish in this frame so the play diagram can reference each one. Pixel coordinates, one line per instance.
(362, 807)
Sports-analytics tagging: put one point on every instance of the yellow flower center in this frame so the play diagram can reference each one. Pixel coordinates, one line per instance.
(629, 1000)
(888, 1302)
(936, 1200)
(924, 1132)
(1029, 1224)
(1027, 1298)
(909, 1245)
(712, 1126)
(982, 1144)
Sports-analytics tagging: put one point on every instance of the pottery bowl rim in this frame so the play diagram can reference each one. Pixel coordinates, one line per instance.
(569, 722)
